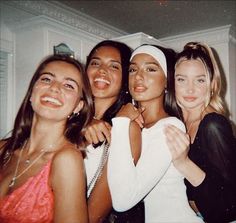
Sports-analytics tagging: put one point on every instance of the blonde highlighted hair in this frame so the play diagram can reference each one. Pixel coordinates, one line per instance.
(202, 52)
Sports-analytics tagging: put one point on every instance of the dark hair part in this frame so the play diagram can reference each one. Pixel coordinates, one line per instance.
(124, 95)
(24, 118)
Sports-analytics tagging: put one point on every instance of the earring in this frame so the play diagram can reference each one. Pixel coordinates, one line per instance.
(166, 91)
(73, 115)
(133, 102)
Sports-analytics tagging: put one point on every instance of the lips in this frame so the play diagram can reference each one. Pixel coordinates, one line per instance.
(101, 83)
(139, 88)
(190, 98)
(51, 100)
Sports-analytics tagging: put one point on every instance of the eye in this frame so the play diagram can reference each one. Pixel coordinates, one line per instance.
(201, 80)
(45, 79)
(115, 66)
(132, 70)
(180, 79)
(69, 86)
(151, 69)
(94, 63)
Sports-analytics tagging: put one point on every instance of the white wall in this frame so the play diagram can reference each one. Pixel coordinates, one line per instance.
(30, 29)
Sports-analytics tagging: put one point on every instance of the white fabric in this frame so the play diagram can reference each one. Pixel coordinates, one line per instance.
(156, 53)
(154, 178)
(92, 161)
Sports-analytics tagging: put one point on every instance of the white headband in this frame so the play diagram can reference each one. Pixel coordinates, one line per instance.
(156, 53)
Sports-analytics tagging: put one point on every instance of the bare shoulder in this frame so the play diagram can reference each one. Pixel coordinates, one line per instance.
(68, 156)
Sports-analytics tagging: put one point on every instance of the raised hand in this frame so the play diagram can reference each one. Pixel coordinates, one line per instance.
(97, 131)
(178, 143)
(133, 113)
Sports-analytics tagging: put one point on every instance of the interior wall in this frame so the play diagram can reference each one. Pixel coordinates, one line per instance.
(27, 41)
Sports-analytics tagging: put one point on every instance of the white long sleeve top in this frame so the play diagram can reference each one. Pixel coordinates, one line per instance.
(92, 162)
(154, 178)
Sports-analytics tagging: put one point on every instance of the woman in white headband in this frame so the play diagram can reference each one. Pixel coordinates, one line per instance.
(154, 178)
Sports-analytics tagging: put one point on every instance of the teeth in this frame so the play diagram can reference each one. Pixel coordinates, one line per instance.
(52, 100)
(101, 80)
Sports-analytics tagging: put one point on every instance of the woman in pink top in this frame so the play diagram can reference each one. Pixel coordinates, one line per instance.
(41, 166)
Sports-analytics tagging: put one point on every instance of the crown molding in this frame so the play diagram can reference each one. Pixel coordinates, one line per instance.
(59, 12)
(212, 36)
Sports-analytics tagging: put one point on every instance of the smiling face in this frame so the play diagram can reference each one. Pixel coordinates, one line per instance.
(57, 92)
(105, 73)
(191, 84)
(146, 78)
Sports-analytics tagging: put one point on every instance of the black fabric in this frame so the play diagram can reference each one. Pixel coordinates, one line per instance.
(133, 215)
(214, 151)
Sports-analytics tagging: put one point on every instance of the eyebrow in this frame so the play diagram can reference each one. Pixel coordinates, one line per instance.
(147, 63)
(98, 58)
(67, 78)
(200, 75)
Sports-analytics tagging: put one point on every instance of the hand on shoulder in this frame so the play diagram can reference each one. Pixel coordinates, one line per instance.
(97, 131)
(131, 112)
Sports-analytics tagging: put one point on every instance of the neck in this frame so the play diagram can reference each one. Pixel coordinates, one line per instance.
(101, 105)
(153, 112)
(44, 136)
(191, 116)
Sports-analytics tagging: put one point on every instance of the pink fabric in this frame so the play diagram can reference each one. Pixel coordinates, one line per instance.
(30, 203)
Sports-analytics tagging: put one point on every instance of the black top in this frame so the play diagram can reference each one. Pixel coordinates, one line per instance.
(214, 151)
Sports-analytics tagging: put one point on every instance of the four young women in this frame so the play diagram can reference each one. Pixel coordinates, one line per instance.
(41, 162)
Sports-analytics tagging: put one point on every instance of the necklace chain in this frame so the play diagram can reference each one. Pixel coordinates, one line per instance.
(15, 176)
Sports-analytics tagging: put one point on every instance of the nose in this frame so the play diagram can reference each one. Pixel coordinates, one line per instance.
(190, 87)
(55, 86)
(103, 69)
(139, 74)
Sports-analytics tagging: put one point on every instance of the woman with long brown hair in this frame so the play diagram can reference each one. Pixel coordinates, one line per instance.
(42, 172)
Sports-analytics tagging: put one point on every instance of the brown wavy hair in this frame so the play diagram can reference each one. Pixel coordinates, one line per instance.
(23, 122)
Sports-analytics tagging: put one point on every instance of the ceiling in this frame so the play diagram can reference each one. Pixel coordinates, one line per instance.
(159, 18)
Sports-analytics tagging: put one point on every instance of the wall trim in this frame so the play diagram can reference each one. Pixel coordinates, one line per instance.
(210, 36)
(68, 16)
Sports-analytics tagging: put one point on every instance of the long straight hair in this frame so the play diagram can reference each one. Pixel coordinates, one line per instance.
(24, 118)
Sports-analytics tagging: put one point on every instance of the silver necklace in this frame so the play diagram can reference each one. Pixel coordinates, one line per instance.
(15, 176)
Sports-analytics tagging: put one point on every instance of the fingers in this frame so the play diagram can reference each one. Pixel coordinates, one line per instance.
(177, 141)
(139, 121)
(129, 111)
(176, 134)
(98, 131)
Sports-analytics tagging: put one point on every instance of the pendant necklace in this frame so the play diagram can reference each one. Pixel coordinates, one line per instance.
(15, 176)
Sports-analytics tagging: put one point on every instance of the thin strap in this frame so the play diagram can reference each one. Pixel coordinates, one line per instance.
(98, 172)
